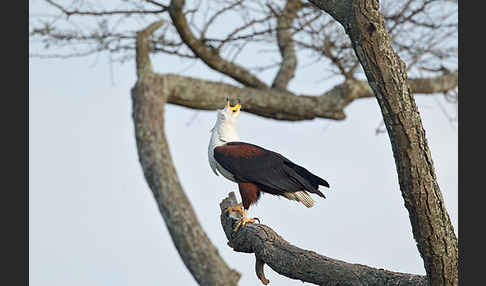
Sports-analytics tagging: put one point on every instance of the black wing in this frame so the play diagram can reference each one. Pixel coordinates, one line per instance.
(270, 170)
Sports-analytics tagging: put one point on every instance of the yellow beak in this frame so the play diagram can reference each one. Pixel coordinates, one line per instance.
(234, 108)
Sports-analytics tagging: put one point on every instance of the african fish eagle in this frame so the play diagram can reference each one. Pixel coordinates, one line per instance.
(256, 169)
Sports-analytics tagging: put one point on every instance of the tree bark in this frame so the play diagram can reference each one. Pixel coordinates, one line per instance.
(283, 105)
(431, 225)
(196, 250)
(305, 265)
(286, 45)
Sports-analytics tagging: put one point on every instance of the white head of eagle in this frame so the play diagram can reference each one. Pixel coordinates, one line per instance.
(256, 169)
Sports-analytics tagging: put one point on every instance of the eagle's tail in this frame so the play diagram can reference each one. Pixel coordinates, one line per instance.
(300, 196)
(312, 180)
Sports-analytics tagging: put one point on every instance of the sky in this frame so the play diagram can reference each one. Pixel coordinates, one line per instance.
(93, 219)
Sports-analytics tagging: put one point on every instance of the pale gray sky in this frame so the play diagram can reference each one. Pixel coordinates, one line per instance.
(93, 220)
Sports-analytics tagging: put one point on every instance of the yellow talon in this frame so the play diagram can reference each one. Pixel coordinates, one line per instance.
(244, 213)
(236, 208)
(243, 221)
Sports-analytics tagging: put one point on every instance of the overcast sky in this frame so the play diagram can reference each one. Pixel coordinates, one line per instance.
(93, 220)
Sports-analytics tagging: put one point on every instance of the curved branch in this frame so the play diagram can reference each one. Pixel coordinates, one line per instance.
(196, 250)
(305, 265)
(142, 49)
(286, 45)
(208, 54)
(272, 103)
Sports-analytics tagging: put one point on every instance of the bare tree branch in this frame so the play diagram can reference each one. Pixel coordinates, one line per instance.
(156, 3)
(142, 60)
(196, 250)
(446, 82)
(422, 32)
(296, 263)
(286, 45)
(103, 13)
(216, 15)
(272, 103)
(207, 53)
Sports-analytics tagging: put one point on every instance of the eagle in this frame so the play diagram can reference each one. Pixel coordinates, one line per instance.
(256, 170)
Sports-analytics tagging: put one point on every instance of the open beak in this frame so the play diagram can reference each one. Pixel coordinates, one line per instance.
(234, 108)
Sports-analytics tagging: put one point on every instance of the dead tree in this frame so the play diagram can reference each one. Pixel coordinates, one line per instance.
(351, 35)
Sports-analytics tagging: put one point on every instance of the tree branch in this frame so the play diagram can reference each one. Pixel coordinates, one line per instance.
(276, 104)
(338, 9)
(103, 13)
(443, 83)
(270, 103)
(208, 54)
(296, 263)
(142, 49)
(196, 250)
(286, 45)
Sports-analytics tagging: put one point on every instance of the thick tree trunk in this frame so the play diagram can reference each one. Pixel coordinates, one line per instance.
(196, 250)
(431, 225)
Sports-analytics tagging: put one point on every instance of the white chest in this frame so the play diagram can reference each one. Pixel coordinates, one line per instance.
(215, 166)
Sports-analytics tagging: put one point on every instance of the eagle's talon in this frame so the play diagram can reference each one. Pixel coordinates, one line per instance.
(243, 221)
(236, 208)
